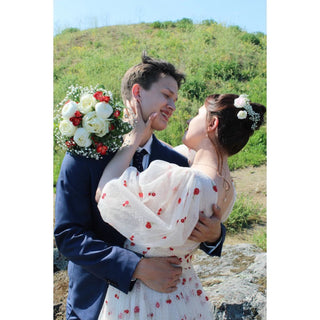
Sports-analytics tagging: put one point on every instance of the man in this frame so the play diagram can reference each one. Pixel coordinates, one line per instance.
(94, 249)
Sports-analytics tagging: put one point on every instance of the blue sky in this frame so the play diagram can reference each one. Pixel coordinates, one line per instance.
(250, 15)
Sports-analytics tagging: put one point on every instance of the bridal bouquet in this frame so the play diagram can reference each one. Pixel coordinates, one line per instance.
(88, 122)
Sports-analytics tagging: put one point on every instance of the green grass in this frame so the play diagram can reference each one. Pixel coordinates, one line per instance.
(245, 214)
(260, 239)
(215, 58)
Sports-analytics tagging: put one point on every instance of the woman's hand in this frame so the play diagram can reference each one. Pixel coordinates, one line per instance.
(141, 130)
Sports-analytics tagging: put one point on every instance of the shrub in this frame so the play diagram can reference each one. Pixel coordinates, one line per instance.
(208, 22)
(227, 70)
(156, 25)
(195, 89)
(163, 25)
(235, 28)
(70, 30)
(184, 24)
(250, 37)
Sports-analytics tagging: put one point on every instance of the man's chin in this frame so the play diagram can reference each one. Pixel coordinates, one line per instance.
(159, 127)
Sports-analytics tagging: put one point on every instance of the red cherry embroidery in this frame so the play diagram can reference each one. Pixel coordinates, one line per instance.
(148, 225)
(125, 203)
(179, 201)
(159, 212)
(157, 305)
(125, 183)
(171, 249)
(196, 191)
(116, 296)
(126, 311)
(184, 281)
(164, 237)
(207, 298)
(103, 196)
(199, 292)
(140, 194)
(131, 238)
(136, 309)
(215, 188)
(168, 301)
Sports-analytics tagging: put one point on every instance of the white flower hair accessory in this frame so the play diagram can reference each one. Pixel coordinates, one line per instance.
(88, 122)
(244, 102)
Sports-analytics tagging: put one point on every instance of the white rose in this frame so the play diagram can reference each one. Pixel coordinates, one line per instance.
(94, 124)
(87, 103)
(81, 138)
(67, 128)
(242, 114)
(242, 101)
(103, 110)
(69, 109)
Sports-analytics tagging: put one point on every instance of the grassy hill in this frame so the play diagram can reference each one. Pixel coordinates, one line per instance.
(215, 58)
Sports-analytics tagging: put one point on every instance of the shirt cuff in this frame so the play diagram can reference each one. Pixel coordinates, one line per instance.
(212, 247)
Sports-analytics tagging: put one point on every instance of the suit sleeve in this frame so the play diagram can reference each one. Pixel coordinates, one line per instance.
(215, 249)
(74, 234)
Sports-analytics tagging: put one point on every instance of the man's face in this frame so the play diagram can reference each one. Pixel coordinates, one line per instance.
(160, 98)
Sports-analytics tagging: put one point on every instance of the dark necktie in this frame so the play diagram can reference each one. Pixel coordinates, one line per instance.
(137, 159)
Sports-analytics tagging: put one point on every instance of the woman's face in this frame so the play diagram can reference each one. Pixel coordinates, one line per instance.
(197, 129)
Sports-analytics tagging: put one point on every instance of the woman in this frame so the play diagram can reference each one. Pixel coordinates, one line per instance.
(158, 209)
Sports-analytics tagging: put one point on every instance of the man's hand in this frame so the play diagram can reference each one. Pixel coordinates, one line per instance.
(160, 273)
(208, 229)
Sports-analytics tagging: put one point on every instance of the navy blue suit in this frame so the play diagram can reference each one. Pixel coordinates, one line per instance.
(94, 249)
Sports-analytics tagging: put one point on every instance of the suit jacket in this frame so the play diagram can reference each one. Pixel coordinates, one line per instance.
(94, 249)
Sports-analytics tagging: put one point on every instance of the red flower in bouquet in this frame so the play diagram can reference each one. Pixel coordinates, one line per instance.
(99, 96)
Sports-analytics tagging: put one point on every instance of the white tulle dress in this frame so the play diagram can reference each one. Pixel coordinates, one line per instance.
(156, 211)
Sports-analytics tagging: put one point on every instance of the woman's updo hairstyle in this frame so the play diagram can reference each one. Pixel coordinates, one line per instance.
(233, 132)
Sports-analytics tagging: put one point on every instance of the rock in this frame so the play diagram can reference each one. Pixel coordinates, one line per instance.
(59, 261)
(236, 282)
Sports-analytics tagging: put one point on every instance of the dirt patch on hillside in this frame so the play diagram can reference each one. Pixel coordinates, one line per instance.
(251, 182)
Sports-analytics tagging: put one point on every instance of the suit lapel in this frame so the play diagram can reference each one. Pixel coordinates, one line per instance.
(157, 150)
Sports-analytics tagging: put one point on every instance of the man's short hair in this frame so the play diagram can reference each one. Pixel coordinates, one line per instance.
(146, 73)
